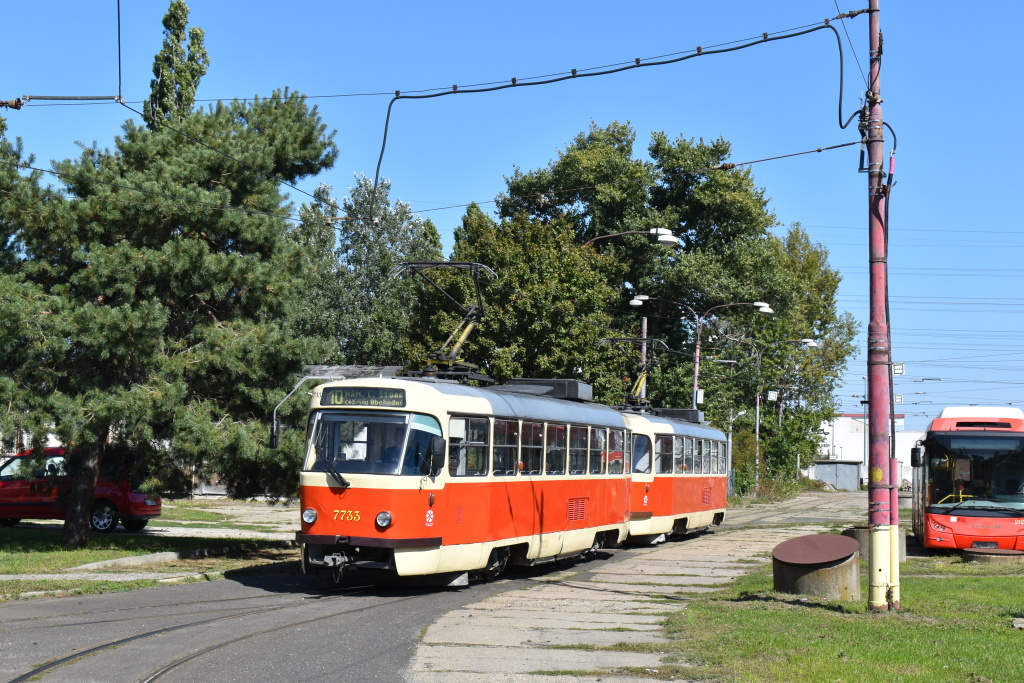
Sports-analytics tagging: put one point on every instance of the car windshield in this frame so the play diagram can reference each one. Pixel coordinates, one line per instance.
(369, 443)
(976, 470)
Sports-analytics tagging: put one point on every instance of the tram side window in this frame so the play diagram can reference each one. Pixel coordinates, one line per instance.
(577, 450)
(598, 449)
(467, 450)
(714, 457)
(706, 456)
(688, 456)
(698, 453)
(506, 445)
(663, 455)
(721, 458)
(641, 454)
(554, 456)
(533, 447)
(677, 454)
(616, 447)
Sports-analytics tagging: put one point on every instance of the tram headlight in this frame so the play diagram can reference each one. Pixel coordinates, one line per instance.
(309, 515)
(936, 526)
(383, 519)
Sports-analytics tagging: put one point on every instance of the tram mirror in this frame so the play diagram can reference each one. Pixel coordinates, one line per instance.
(916, 456)
(437, 453)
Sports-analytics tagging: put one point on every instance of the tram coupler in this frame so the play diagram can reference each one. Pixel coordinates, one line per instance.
(334, 561)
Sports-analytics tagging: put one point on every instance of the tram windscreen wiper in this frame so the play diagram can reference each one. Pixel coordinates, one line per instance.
(329, 465)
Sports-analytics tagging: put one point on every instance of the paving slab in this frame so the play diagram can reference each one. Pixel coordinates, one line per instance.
(662, 579)
(549, 619)
(470, 677)
(563, 598)
(520, 636)
(508, 660)
(673, 569)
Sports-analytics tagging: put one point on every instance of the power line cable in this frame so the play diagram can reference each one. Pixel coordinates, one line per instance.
(613, 69)
(848, 40)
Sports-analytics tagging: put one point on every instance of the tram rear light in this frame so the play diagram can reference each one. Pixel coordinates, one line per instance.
(309, 515)
(383, 519)
(935, 526)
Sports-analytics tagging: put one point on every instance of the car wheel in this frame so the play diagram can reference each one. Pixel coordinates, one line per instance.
(104, 518)
(7, 521)
(134, 524)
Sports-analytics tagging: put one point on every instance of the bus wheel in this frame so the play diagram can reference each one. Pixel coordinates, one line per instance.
(496, 563)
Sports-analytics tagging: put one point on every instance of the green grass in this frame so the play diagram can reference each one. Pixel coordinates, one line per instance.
(179, 512)
(955, 625)
(29, 550)
(16, 589)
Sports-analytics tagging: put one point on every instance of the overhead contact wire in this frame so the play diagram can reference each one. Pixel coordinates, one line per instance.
(625, 66)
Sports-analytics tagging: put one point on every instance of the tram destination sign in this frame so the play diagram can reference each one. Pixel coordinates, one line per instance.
(363, 396)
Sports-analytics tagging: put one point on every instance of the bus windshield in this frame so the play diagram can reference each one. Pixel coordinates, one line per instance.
(369, 443)
(975, 470)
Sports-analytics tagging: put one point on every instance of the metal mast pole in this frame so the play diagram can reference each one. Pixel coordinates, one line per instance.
(878, 337)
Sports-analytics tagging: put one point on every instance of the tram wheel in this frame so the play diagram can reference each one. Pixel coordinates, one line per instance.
(497, 563)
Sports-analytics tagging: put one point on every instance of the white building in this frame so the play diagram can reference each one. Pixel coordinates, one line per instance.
(843, 455)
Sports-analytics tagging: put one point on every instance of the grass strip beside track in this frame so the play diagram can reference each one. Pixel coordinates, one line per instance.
(956, 624)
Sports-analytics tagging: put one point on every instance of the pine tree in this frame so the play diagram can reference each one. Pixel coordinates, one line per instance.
(160, 289)
(177, 69)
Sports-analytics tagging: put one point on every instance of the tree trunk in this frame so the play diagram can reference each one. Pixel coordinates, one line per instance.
(84, 466)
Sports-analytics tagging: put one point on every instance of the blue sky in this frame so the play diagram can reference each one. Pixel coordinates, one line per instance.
(950, 80)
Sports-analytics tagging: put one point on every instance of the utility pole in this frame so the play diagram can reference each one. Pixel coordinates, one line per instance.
(879, 356)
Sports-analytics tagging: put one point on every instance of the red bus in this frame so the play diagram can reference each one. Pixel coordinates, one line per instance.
(969, 480)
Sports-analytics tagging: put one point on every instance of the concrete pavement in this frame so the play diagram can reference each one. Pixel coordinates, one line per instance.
(528, 636)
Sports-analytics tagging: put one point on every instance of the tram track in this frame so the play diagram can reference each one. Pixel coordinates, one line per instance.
(160, 673)
(91, 651)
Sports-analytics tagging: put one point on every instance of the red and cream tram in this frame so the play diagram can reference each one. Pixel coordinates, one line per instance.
(423, 476)
(679, 477)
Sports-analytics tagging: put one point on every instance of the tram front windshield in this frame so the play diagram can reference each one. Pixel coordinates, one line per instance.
(369, 443)
(976, 470)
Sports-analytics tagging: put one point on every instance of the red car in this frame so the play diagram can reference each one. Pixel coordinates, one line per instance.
(33, 487)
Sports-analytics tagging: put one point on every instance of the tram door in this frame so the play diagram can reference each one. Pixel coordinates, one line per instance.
(641, 504)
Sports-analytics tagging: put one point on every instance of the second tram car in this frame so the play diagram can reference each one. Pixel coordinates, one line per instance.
(969, 480)
(421, 476)
(678, 483)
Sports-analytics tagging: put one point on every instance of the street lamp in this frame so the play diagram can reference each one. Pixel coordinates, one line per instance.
(664, 236)
(759, 354)
(699, 319)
